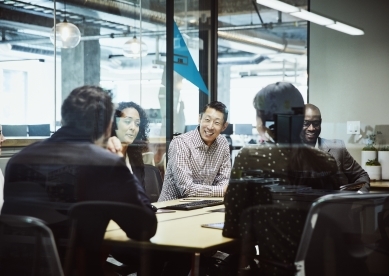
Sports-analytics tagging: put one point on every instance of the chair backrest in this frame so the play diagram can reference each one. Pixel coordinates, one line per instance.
(148, 158)
(153, 182)
(89, 223)
(341, 233)
(27, 198)
(39, 130)
(190, 127)
(27, 247)
(162, 163)
(3, 163)
(15, 130)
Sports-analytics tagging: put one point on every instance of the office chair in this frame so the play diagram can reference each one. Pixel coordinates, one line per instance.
(162, 164)
(338, 235)
(27, 198)
(39, 130)
(343, 234)
(15, 130)
(190, 127)
(27, 247)
(243, 129)
(153, 182)
(86, 253)
(148, 158)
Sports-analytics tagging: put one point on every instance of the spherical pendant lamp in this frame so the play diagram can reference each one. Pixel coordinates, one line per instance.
(134, 48)
(67, 35)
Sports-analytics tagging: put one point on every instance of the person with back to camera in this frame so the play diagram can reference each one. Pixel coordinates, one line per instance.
(290, 164)
(131, 127)
(2, 139)
(73, 165)
(199, 160)
(349, 170)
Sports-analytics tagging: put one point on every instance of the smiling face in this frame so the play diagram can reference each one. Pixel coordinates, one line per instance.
(128, 125)
(211, 125)
(311, 126)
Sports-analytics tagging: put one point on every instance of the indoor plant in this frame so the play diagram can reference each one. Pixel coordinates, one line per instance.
(369, 152)
(383, 158)
(373, 169)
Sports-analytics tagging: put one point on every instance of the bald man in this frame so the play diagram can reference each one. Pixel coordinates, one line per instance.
(348, 169)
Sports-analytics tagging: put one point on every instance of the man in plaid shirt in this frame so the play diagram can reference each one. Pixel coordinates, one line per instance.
(199, 161)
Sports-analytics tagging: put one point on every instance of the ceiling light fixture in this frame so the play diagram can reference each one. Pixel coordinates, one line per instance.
(135, 48)
(26, 59)
(310, 16)
(342, 27)
(67, 35)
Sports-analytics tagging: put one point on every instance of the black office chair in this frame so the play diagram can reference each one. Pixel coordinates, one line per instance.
(86, 253)
(337, 236)
(27, 247)
(39, 130)
(15, 130)
(153, 182)
(342, 236)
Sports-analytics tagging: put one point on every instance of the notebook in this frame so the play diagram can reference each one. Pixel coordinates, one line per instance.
(216, 225)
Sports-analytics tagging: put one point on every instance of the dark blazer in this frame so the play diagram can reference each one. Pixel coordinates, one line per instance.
(64, 169)
(348, 169)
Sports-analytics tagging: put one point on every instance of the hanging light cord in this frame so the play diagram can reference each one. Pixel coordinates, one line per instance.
(65, 12)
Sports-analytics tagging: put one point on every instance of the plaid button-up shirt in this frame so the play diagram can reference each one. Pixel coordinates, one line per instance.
(194, 169)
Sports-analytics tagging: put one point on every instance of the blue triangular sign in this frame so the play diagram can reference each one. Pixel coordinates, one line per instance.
(183, 62)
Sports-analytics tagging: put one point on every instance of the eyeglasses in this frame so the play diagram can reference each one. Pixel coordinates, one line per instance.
(315, 123)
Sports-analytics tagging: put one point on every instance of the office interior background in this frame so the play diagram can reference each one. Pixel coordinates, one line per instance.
(238, 47)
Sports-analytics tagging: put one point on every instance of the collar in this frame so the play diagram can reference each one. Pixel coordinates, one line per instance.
(68, 133)
(198, 141)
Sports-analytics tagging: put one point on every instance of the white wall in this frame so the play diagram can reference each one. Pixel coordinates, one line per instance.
(349, 75)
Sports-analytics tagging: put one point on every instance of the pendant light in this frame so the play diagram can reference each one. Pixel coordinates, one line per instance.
(134, 48)
(67, 35)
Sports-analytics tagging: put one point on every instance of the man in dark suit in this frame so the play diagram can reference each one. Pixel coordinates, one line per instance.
(45, 178)
(349, 170)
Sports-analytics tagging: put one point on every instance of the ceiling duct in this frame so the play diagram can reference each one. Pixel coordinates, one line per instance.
(255, 59)
(32, 50)
(265, 41)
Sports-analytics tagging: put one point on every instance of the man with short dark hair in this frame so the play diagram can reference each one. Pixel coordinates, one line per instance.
(199, 160)
(348, 169)
(45, 178)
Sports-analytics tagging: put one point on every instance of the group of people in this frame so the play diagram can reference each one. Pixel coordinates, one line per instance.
(199, 160)
(97, 155)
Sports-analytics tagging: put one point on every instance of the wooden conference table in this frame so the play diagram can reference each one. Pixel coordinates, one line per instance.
(180, 231)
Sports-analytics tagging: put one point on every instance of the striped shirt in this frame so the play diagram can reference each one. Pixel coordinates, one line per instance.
(195, 169)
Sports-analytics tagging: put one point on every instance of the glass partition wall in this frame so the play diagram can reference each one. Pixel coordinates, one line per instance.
(257, 46)
(226, 50)
(119, 45)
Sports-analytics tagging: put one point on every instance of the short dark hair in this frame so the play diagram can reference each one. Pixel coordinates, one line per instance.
(279, 97)
(219, 106)
(88, 108)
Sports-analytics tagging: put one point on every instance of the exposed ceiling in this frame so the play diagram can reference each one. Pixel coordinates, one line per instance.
(248, 33)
